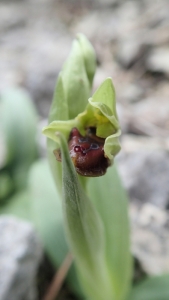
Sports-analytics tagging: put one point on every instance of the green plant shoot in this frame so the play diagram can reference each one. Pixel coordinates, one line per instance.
(83, 134)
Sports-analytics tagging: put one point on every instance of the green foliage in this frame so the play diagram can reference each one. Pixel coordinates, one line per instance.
(18, 123)
(46, 209)
(6, 185)
(85, 233)
(103, 259)
(47, 217)
(18, 133)
(110, 200)
(153, 288)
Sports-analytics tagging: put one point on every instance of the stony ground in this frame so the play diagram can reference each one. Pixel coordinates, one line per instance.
(131, 39)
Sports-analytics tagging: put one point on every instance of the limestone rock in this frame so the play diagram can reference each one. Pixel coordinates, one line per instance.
(150, 237)
(158, 60)
(145, 175)
(20, 254)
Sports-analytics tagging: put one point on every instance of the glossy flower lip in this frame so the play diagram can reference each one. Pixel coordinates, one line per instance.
(87, 153)
(100, 113)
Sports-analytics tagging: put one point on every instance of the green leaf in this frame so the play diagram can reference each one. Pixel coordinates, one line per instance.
(110, 200)
(47, 217)
(6, 186)
(18, 121)
(85, 233)
(153, 288)
(47, 210)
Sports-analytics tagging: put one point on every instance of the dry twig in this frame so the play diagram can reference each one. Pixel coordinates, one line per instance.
(59, 278)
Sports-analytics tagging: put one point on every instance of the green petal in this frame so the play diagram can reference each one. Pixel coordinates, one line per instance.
(101, 110)
(112, 145)
(101, 113)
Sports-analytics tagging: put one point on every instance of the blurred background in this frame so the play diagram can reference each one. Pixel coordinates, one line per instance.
(131, 40)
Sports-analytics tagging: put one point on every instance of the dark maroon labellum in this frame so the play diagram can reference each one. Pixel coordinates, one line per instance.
(87, 153)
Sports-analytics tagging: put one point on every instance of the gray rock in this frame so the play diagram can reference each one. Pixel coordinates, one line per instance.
(153, 109)
(150, 237)
(34, 47)
(20, 254)
(131, 143)
(158, 60)
(130, 93)
(107, 2)
(130, 51)
(144, 167)
(145, 175)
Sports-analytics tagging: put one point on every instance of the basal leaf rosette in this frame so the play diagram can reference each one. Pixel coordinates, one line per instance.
(93, 136)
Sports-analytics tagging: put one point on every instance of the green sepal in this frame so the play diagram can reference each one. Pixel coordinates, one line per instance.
(72, 90)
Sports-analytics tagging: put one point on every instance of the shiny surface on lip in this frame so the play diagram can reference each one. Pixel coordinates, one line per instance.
(87, 153)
